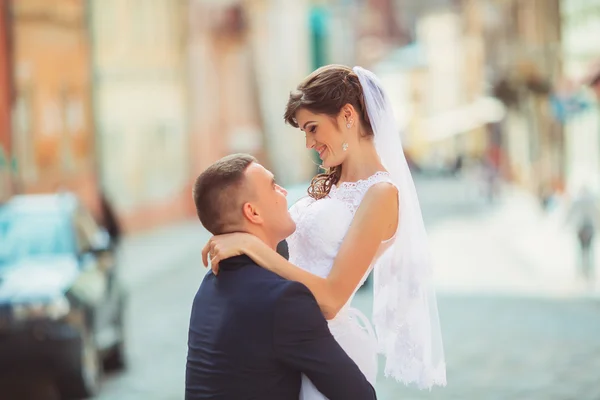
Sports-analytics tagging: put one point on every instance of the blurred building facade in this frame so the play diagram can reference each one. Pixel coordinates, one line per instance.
(224, 99)
(449, 64)
(52, 135)
(441, 99)
(6, 188)
(479, 78)
(581, 57)
(283, 55)
(141, 108)
(453, 96)
(524, 60)
(538, 54)
(245, 58)
(136, 98)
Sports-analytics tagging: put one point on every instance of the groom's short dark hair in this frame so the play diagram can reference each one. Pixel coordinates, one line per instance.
(217, 193)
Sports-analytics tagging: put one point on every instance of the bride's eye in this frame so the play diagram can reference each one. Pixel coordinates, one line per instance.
(313, 129)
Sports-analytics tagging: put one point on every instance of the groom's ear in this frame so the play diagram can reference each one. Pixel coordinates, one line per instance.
(252, 214)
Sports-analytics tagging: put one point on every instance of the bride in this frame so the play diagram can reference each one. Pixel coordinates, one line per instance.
(361, 215)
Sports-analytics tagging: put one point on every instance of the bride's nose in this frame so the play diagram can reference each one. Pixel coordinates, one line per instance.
(310, 143)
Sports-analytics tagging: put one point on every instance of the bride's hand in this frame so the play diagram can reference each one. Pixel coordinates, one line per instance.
(221, 247)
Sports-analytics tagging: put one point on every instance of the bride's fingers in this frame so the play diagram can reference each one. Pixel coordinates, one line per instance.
(205, 252)
(205, 258)
(214, 265)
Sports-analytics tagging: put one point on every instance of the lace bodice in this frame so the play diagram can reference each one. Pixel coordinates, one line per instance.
(321, 225)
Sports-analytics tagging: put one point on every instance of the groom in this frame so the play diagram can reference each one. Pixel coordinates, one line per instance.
(252, 333)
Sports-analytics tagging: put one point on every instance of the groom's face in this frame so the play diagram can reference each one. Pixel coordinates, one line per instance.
(270, 202)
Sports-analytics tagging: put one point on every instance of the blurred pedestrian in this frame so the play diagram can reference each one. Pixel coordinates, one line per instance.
(109, 220)
(492, 163)
(584, 213)
(458, 164)
(545, 196)
(491, 179)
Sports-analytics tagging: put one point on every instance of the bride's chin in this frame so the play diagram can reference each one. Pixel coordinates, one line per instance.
(326, 164)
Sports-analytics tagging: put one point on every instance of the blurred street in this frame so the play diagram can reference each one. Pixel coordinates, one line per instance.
(511, 330)
(112, 109)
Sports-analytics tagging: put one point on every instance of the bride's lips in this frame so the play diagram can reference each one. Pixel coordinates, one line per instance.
(321, 151)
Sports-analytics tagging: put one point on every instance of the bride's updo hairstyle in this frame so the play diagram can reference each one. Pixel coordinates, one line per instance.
(326, 91)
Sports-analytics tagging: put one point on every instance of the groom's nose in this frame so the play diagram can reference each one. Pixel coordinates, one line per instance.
(282, 189)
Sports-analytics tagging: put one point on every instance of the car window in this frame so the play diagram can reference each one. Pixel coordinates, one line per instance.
(30, 234)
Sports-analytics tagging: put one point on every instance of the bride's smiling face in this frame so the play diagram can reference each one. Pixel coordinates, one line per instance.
(324, 135)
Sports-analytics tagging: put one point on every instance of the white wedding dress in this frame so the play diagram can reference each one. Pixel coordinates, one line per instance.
(321, 226)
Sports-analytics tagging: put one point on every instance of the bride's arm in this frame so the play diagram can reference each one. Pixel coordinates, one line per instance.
(376, 217)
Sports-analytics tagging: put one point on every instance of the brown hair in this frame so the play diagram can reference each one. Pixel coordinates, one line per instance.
(217, 193)
(326, 91)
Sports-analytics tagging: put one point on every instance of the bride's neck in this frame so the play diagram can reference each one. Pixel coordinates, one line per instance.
(361, 163)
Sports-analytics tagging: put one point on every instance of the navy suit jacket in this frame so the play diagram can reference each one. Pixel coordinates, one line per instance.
(252, 333)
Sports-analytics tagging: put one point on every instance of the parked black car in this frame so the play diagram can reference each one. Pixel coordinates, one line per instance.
(61, 304)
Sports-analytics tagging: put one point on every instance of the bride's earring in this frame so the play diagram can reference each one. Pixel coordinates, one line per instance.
(345, 144)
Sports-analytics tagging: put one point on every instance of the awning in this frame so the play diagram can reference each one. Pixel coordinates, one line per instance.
(485, 110)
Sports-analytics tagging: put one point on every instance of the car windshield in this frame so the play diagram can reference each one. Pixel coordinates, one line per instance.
(24, 235)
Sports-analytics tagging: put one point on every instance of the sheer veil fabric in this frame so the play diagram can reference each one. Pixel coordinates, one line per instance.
(405, 313)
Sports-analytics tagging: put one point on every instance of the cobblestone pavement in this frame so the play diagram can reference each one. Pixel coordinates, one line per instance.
(497, 347)
(158, 321)
(504, 339)
(500, 347)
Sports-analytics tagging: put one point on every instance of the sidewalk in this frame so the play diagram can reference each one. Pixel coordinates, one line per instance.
(513, 248)
(145, 256)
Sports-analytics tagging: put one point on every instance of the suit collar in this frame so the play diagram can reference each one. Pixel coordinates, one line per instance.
(235, 262)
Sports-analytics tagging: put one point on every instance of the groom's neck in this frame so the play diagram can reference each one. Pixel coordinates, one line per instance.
(261, 234)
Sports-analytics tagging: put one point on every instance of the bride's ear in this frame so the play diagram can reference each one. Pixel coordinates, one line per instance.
(347, 116)
(251, 214)
(348, 111)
